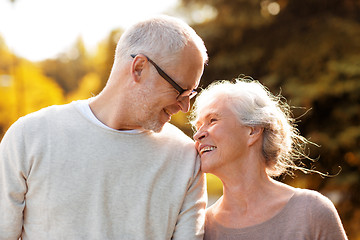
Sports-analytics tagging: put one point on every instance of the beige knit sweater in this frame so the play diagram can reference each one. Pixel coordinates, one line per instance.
(63, 177)
(307, 216)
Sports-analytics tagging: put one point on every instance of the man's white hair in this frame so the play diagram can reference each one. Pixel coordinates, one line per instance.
(161, 38)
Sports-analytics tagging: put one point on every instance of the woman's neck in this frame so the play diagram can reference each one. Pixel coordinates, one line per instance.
(250, 199)
(247, 190)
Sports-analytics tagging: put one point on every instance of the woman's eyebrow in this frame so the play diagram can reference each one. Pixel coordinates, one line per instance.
(213, 114)
(207, 116)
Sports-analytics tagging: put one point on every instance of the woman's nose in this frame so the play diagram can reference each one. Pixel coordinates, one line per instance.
(199, 135)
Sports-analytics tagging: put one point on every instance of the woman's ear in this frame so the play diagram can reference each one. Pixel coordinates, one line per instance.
(137, 67)
(255, 135)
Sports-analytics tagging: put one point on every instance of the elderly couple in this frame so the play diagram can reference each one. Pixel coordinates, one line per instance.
(112, 167)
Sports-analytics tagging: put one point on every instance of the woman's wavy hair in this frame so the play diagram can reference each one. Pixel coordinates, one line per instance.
(255, 106)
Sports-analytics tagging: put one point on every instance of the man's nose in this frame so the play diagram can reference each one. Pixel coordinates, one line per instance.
(184, 104)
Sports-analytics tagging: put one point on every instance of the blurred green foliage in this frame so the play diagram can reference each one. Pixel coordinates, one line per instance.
(309, 51)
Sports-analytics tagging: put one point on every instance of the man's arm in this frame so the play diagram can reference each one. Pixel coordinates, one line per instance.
(12, 183)
(190, 223)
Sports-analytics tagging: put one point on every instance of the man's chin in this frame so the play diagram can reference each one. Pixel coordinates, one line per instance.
(155, 126)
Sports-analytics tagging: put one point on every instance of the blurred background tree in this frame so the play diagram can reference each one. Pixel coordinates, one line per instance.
(309, 51)
(69, 67)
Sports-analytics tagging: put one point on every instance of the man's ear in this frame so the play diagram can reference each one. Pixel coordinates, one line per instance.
(255, 135)
(137, 67)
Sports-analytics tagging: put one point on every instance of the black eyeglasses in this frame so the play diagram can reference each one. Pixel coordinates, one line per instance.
(182, 92)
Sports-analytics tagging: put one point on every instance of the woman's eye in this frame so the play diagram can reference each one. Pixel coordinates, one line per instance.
(213, 120)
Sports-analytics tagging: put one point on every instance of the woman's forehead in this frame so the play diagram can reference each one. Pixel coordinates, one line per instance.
(213, 109)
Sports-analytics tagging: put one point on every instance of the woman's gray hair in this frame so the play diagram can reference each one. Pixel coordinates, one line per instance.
(256, 106)
(161, 38)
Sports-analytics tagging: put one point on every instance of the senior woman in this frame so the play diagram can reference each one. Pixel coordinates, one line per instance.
(245, 136)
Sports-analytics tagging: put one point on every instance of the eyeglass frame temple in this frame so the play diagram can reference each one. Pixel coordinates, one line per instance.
(163, 74)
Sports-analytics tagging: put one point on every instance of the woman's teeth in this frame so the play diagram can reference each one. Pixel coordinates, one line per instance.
(207, 149)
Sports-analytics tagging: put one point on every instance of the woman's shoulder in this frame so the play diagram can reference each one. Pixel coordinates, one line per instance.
(321, 214)
(312, 196)
(209, 210)
(315, 202)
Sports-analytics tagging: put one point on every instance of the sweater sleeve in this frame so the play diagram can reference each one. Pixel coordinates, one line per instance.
(12, 183)
(326, 220)
(190, 222)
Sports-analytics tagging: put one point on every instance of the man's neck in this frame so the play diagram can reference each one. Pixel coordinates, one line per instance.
(114, 112)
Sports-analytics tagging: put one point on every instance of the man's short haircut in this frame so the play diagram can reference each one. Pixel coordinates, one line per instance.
(161, 38)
